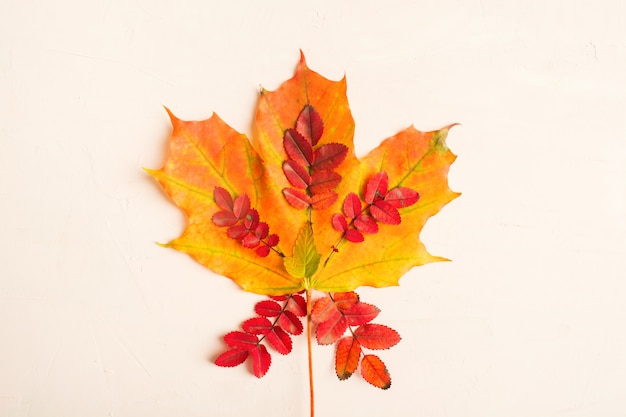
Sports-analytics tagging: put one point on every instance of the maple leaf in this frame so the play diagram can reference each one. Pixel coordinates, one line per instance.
(294, 208)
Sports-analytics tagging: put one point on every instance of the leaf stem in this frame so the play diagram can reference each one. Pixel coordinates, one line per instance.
(309, 305)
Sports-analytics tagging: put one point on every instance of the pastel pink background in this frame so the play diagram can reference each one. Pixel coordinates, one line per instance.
(528, 319)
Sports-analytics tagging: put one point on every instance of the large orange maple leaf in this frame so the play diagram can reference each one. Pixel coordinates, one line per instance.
(294, 208)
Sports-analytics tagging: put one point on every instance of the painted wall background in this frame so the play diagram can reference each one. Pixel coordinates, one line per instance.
(528, 319)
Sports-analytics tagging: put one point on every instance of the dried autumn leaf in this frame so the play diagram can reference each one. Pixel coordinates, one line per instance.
(232, 357)
(331, 330)
(241, 340)
(361, 313)
(376, 336)
(257, 325)
(297, 170)
(298, 148)
(366, 224)
(268, 308)
(261, 360)
(328, 157)
(347, 357)
(310, 125)
(345, 300)
(352, 206)
(297, 305)
(376, 187)
(324, 181)
(290, 323)
(401, 197)
(296, 174)
(324, 309)
(279, 340)
(375, 372)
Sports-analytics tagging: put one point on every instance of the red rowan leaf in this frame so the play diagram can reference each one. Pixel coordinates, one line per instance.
(290, 323)
(279, 340)
(241, 206)
(361, 313)
(261, 360)
(324, 200)
(376, 336)
(328, 157)
(297, 198)
(257, 325)
(324, 309)
(250, 241)
(241, 340)
(401, 197)
(224, 218)
(376, 187)
(345, 300)
(347, 357)
(310, 125)
(375, 372)
(262, 230)
(251, 220)
(339, 223)
(384, 212)
(297, 305)
(223, 199)
(237, 232)
(354, 236)
(268, 308)
(331, 330)
(352, 206)
(263, 251)
(232, 357)
(298, 148)
(324, 181)
(272, 240)
(296, 174)
(366, 224)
